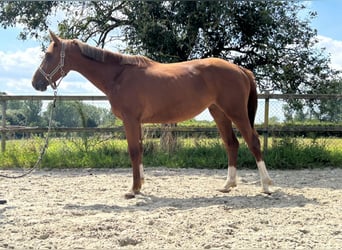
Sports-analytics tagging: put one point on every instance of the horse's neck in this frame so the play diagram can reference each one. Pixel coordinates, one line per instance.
(99, 74)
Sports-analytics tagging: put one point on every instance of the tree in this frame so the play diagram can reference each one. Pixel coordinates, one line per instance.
(64, 114)
(329, 109)
(33, 16)
(24, 113)
(77, 114)
(88, 20)
(267, 37)
(32, 110)
(317, 109)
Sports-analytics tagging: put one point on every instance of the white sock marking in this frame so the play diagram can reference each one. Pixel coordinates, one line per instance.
(141, 170)
(231, 178)
(264, 177)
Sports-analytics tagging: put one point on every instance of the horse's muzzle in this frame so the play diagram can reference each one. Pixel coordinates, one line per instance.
(41, 86)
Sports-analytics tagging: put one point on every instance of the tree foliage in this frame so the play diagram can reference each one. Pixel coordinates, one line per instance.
(329, 110)
(32, 15)
(267, 37)
(65, 114)
(24, 113)
(78, 114)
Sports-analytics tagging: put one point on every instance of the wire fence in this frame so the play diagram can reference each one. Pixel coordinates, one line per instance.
(272, 121)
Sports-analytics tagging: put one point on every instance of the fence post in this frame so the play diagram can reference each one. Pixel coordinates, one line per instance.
(3, 125)
(168, 138)
(266, 117)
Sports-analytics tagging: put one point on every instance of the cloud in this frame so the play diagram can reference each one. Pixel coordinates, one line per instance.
(16, 70)
(334, 48)
(23, 60)
(16, 86)
(18, 67)
(75, 84)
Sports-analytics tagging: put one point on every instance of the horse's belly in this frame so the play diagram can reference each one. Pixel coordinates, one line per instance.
(169, 118)
(173, 114)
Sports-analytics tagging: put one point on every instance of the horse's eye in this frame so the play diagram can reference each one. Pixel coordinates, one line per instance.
(48, 56)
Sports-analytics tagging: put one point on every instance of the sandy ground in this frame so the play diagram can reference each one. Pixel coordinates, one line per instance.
(179, 208)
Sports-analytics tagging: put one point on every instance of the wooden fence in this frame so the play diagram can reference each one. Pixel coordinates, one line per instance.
(265, 129)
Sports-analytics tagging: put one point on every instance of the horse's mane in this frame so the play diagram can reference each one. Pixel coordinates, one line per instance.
(102, 55)
(136, 60)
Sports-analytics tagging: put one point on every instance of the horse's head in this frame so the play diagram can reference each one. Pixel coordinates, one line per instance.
(52, 67)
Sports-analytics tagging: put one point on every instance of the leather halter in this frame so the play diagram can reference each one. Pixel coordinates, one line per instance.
(55, 70)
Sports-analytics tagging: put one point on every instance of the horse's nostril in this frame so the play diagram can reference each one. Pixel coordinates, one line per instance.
(39, 86)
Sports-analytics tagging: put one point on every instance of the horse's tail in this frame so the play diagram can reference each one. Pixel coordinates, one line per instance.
(253, 96)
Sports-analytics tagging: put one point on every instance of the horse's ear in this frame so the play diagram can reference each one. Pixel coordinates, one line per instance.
(54, 38)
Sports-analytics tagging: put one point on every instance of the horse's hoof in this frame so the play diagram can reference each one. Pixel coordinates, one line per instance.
(268, 181)
(224, 190)
(129, 195)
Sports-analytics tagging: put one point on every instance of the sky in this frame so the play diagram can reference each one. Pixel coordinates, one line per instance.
(19, 59)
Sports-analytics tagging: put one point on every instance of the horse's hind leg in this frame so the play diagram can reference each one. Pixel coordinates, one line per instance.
(224, 126)
(253, 142)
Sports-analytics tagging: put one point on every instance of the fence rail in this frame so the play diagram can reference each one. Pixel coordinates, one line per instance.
(265, 129)
(273, 129)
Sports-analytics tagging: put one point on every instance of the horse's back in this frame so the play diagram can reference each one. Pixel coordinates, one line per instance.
(214, 76)
(207, 66)
(222, 74)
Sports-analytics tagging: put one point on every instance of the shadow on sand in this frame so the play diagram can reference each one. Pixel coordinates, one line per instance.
(278, 199)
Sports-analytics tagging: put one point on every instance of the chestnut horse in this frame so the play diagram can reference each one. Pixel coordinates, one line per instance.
(141, 90)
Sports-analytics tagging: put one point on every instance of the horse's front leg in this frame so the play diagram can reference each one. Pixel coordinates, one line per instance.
(133, 135)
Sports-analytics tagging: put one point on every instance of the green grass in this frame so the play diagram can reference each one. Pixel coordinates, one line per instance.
(283, 153)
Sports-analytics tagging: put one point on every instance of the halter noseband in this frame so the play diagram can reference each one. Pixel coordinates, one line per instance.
(53, 72)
